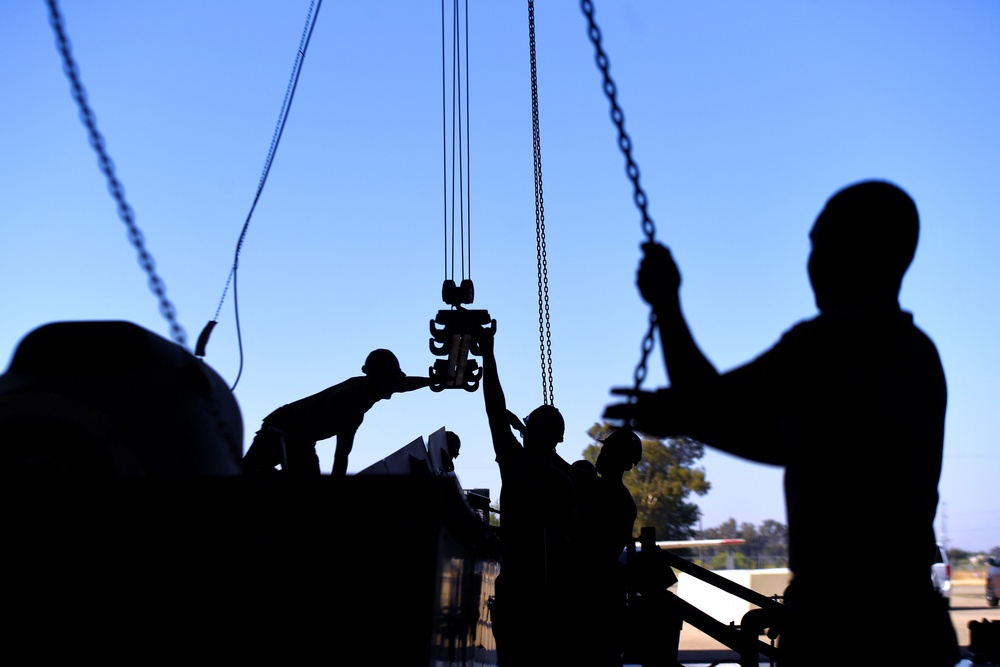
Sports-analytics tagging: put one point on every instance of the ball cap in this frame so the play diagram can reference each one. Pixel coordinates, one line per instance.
(382, 363)
(625, 442)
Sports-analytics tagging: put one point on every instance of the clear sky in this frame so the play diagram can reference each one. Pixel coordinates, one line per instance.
(744, 118)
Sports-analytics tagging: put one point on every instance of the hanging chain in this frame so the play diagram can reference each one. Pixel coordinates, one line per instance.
(544, 330)
(107, 167)
(625, 144)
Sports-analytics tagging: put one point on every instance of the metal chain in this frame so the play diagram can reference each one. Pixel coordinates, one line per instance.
(544, 328)
(625, 144)
(107, 167)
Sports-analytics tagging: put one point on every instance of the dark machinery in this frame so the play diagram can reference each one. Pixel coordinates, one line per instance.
(452, 337)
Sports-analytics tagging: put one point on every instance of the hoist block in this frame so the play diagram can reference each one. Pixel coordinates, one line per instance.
(452, 338)
(456, 295)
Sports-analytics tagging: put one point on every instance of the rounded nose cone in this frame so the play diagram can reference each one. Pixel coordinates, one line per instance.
(110, 397)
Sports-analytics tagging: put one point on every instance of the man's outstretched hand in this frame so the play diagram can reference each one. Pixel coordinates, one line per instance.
(482, 339)
(639, 411)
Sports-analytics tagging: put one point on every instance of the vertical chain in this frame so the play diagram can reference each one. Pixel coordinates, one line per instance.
(107, 167)
(625, 144)
(544, 329)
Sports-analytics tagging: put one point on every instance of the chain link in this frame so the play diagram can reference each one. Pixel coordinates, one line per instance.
(114, 186)
(625, 144)
(544, 328)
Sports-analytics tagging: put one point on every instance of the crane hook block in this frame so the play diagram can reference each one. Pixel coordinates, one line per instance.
(452, 338)
(453, 295)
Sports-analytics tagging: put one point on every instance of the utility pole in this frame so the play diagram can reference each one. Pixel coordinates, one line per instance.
(944, 526)
(701, 536)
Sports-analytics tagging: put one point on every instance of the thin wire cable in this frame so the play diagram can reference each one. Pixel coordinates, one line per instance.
(279, 129)
(457, 200)
(114, 185)
(467, 229)
(444, 142)
(457, 165)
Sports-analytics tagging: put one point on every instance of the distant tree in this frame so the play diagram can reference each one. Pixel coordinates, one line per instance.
(765, 545)
(958, 555)
(720, 561)
(662, 482)
(727, 530)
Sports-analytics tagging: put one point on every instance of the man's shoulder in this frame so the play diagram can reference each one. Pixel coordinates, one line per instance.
(860, 324)
(811, 326)
(349, 384)
(873, 340)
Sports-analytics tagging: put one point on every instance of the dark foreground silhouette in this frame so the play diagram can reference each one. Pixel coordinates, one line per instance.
(851, 403)
(533, 613)
(132, 536)
(607, 517)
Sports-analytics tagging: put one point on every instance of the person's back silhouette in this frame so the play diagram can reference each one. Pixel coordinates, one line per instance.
(607, 520)
(851, 403)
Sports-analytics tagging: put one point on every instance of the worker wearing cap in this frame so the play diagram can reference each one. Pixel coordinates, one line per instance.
(288, 436)
(606, 523)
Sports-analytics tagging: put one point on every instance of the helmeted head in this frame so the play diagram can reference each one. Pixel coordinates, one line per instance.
(383, 367)
(544, 428)
(454, 443)
(863, 241)
(620, 451)
(382, 364)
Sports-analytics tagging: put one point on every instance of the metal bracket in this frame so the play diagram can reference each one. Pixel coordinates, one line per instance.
(451, 337)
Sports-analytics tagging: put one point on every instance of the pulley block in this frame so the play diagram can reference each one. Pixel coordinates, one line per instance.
(457, 295)
(452, 338)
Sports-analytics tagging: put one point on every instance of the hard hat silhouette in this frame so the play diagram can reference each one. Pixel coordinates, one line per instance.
(382, 363)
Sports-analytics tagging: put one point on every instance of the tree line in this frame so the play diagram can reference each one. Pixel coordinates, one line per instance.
(663, 484)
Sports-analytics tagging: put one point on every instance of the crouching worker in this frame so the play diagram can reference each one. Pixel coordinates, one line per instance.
(288, 436)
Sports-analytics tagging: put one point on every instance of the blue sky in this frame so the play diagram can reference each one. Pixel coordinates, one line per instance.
(744, 118)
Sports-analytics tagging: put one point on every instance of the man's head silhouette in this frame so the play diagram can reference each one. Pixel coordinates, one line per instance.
(862, 244)
(544, 428)
(454, 444)
(620, 451)
(383, 367)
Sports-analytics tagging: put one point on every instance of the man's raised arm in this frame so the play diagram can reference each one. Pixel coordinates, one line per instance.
(659, 282)
(493, 396)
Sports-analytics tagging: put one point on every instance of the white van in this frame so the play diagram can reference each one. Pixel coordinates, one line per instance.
(941, 574)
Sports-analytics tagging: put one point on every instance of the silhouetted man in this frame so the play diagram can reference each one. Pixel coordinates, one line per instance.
(607, 520)
(532, 613)
(852, 404)
(288, 436)
(454, 445)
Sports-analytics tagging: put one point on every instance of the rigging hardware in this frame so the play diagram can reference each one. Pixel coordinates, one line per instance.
(452, 329)
(625, 144)
(279, 129)
(454, 340)
(544, 328)
(114, 185)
